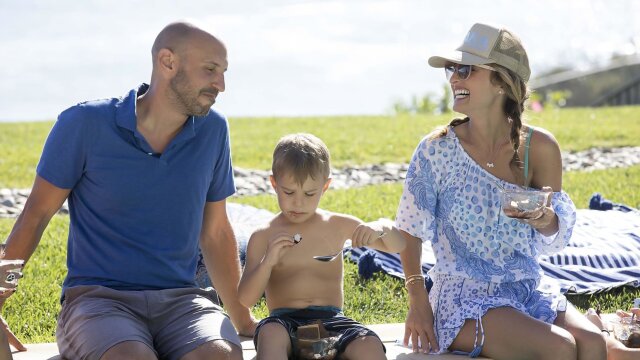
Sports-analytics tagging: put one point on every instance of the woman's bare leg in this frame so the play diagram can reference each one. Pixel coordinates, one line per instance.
(511, 334)
(589, 339)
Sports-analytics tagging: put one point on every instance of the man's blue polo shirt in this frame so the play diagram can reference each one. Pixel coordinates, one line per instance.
(135, 216)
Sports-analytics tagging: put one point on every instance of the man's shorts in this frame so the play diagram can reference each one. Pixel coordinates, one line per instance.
(332, 319)
(171, 322)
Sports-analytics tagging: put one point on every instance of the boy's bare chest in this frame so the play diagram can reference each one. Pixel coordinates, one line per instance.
(300, 256)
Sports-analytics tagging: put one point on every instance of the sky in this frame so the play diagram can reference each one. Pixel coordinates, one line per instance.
(287, 58)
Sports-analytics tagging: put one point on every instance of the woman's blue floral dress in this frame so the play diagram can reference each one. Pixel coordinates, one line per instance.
(484, 258)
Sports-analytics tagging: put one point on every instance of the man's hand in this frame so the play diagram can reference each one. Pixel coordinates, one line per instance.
(248, 326)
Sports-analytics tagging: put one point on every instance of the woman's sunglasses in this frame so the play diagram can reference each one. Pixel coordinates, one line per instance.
(463, 71)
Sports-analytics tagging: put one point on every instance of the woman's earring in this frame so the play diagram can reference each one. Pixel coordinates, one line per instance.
(500, 92)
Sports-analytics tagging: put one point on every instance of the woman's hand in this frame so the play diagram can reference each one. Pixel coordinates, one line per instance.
(419, 328)
(544, 219)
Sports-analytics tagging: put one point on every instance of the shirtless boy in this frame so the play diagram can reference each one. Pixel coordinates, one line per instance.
(299, 289)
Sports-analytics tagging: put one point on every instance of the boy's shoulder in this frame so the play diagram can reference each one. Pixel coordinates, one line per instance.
(277, 224)
(267, 228)
(339, 219)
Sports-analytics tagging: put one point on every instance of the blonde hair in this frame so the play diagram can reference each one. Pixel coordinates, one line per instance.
(301, 155)
(517, 93)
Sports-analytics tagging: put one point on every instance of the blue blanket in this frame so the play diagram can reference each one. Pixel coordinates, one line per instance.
(604, 251)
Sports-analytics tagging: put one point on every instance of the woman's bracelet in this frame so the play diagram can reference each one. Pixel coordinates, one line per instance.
(412, 279)
(606, 331)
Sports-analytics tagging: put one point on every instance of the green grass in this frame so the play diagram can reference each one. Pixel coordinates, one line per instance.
(354, 140)
(32, 311)
(373, 202)
(20, 148)
(619, 185)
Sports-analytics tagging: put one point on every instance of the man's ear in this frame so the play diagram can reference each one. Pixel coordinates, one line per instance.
(326, 185)
(166, 60)
(273, 182)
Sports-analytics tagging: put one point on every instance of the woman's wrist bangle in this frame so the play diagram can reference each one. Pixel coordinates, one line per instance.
(414, 279)
(605, 331)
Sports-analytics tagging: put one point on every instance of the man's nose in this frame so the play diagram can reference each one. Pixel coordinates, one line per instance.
(218, 82)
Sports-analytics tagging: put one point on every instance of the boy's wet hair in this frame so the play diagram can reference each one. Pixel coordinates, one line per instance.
(301, 155)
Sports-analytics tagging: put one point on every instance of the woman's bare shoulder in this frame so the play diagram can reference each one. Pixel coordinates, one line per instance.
(543, 141)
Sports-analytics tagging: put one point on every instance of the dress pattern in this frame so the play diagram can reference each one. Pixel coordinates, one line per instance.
(484, 258)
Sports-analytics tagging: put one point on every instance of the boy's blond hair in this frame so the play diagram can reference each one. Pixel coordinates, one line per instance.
(301, 155)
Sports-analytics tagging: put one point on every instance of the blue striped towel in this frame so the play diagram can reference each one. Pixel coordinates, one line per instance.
(604, 251)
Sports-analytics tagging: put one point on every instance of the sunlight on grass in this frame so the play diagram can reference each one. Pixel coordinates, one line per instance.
(353, 140)
(32, 311)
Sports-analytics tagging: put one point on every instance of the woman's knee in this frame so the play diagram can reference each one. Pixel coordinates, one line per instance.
(591, 342)
(561, 345)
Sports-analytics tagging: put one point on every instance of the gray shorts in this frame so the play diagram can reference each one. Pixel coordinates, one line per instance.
(171, 322)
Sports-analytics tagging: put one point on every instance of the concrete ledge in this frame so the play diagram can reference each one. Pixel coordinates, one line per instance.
(389, 333)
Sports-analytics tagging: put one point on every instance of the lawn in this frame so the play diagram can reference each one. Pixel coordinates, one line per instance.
(352, 140)
(31, 312)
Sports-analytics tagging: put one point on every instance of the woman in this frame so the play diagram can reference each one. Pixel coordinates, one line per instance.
(487, 298)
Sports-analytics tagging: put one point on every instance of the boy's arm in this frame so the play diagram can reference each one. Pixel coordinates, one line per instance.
(262, 255)
(380, 234)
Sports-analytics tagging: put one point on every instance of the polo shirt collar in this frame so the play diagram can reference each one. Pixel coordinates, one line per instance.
(126, 116)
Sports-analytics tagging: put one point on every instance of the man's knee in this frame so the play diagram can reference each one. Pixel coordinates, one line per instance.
(216, 349)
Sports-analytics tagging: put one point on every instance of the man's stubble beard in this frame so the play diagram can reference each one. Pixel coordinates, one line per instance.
(185, 96)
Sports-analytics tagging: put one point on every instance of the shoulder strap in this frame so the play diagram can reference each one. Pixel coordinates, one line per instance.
(526, 156)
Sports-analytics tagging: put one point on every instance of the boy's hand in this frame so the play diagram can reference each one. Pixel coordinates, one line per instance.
(365, 235)
(276, 248)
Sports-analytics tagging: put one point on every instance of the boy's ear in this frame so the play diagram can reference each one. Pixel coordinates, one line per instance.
(273, 182)
(326, 185)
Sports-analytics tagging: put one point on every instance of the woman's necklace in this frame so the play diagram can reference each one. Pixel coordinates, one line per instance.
(490, 163)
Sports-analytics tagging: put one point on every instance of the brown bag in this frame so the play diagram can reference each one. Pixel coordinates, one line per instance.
(313, 341)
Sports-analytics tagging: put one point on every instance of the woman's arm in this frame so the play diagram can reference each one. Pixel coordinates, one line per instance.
(419, 322)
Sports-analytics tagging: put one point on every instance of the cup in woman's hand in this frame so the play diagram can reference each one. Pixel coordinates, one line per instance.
(524, 204)
(10, 272)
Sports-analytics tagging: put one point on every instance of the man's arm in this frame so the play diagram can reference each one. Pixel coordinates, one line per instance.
(220, 253)
(43, 202)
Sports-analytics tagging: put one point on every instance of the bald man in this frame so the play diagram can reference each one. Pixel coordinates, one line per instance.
(146, 176)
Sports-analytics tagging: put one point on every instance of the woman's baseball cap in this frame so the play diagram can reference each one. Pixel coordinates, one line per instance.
(486, 44)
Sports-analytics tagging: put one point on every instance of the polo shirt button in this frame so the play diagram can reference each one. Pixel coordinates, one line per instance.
(149, 153)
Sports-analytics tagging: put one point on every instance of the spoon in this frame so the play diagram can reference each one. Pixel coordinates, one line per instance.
(327, 258)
